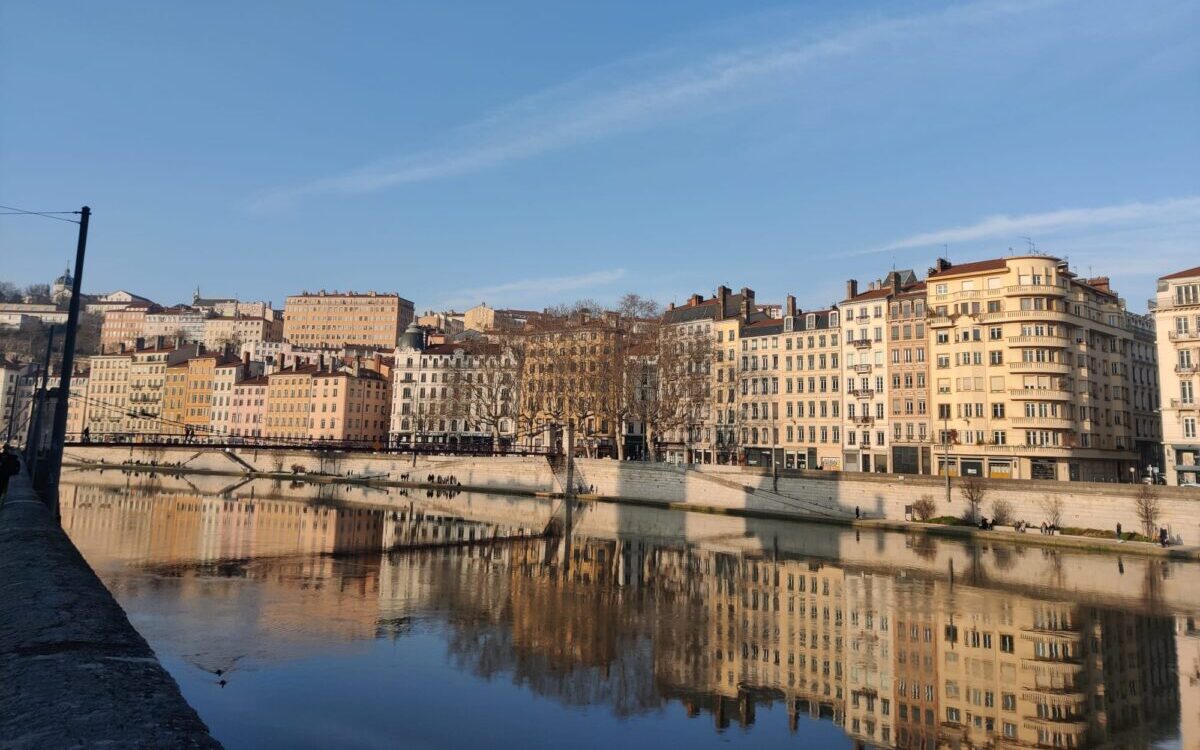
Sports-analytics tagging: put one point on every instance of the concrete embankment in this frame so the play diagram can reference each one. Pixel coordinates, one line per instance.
(73, 671)
(808, 495)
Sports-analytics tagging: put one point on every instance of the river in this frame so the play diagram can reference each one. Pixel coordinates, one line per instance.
(299, 615)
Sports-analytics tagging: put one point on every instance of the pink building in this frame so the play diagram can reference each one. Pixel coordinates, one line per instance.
(248, 408)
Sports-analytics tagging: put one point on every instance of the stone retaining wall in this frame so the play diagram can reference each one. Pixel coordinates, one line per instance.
(805, 494)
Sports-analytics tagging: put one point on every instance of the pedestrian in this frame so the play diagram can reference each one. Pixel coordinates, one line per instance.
(1162, 536)
(10, 464)
(857, 512)
(1043, 528)
(1120, 538)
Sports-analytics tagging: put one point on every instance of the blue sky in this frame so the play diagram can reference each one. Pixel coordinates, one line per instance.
(525, 153)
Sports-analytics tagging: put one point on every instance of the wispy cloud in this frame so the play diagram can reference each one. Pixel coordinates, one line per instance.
(605, 102)
(546, 288)
(1053, 223)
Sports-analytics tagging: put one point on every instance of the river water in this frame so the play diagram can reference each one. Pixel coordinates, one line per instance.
(296, 615)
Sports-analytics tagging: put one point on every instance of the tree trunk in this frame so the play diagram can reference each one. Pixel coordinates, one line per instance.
(649, 443)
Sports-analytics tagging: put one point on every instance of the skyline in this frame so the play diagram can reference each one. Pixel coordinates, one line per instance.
(679, 154)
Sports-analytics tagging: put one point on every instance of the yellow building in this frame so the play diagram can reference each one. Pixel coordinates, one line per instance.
(289, 403)
(108, 394)
(1030, 371)
(334, 320)
(1176, 309)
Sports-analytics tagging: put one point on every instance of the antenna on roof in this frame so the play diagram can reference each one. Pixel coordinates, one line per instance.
(1032, 246)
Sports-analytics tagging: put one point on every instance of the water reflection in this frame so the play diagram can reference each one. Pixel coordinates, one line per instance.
(899, 642)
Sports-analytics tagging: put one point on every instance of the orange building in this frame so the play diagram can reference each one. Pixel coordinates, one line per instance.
(350, 406)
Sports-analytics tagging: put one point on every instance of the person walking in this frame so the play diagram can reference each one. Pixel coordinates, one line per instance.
(1162, 536)
(10, 464)
(1120, 538)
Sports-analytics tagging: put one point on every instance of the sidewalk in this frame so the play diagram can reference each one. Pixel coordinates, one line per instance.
(73, 671)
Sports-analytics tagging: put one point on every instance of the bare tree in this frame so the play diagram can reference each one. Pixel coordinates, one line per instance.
(1002, 512)
(1052, 506)
(1148, 509)
(635, 307)
(924, 508)
(483, 383)
(974, 491)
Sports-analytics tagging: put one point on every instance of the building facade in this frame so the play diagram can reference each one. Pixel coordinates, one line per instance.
(333, 319)
(1176, 310)
(1030, 372)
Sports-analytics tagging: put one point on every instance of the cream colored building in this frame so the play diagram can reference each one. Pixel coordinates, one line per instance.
(239, 330)
(866, 352)
(336, 319)
(449, 322)
(1176, 310)
(1030, 371)
(289, 403)
(147, 388)
(227, 375)
(350, 406)
(248, 409)
(180, 322)
(108, 394)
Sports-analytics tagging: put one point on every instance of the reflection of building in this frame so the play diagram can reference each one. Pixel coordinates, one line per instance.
(898, 658)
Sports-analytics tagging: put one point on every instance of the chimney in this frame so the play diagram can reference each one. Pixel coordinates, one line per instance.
(791, 306)
(895, 283)
(671, 306)
(942, 265)
(851, 288)
(695, 299)
(747, 302)
(722, 300)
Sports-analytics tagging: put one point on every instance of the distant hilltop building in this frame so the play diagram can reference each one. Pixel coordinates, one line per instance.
(335, 319)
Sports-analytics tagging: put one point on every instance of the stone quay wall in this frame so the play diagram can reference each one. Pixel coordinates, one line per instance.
(813, 495)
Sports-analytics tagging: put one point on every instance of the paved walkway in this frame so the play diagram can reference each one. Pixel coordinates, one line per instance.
(73, 671)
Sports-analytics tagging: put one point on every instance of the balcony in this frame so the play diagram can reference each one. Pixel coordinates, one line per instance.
(1040, 394)
(1186, 369)
(863, 368)
(1184, 335)
(864, 420)
(1026, 289)
(1050, 423)
(861, 343)
(1050, 316)
(1061, 368)
(1052, 341)
(940, 321)
(1179, 404)
(860, 392)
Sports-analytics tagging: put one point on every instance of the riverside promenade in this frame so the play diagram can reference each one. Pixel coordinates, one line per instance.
(73, 671)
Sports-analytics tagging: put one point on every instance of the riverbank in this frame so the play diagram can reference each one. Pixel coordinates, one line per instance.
(73, 671)
(829, 499)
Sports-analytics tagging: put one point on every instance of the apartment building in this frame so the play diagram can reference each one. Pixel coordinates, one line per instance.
(793, 364)
(108, 394)
(570, 373)
(147, 387)
(1031, 371)
(239, 330)
(715, 433)
(866, 352)
(289, 403)
(336, 319)
(179, 322)
(124, 325)
(350, 406)
(908, 380)
(458, 393)
(227, 374)
(1143, 373)
(77, 406)
(448, 322)
(1176, 310)
(248, 408)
